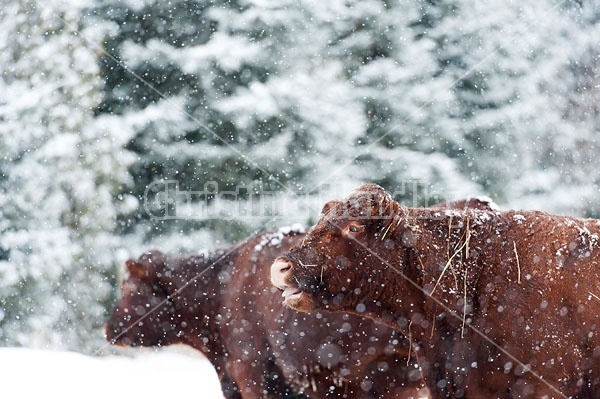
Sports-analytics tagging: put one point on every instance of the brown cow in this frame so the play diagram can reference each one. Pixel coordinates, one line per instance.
(223, 304)
(496, 304)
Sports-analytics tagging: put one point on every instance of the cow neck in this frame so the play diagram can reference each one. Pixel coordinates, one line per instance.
(194, 280)
(434, 251)
(193, 284)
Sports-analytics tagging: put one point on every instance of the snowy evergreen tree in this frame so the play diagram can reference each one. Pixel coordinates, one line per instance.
(60, 172)
(278, 94)
(173, 63)
(512, 68)
(290, 95)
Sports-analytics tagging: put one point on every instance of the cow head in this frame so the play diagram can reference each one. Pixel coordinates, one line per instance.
(337, 262)
(145, 315)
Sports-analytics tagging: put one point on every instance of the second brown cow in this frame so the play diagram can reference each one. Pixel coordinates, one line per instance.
(222, 303)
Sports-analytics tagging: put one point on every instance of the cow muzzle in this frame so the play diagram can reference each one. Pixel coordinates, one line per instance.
(293, 297)
(280, 277)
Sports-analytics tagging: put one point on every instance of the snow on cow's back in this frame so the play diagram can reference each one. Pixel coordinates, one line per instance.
(274, 238)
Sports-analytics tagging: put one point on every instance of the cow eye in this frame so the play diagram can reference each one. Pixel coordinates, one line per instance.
(353, 228)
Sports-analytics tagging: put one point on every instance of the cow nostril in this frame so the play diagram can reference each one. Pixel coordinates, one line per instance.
(285, 268)
(278, 271)
(281, 266)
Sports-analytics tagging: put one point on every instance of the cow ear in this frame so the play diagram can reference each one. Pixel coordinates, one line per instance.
(135, 269)
(147, 266)
(330, 205)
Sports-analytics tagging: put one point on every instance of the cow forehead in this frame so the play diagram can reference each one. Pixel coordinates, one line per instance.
(352, 215)
(361, 207)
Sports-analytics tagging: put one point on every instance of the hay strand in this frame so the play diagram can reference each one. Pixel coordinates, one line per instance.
(518, 263)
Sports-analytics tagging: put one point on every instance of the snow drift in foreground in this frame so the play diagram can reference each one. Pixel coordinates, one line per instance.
(38, 374)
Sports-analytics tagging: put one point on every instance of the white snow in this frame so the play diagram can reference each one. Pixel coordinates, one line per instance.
(484, 198)
(275, 238)
(519, 218)
(39, 374)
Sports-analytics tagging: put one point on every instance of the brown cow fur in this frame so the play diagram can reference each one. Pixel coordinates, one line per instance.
(230, 312)
(492, 301)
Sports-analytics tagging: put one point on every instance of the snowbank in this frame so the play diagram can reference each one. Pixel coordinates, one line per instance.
(38, 374)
